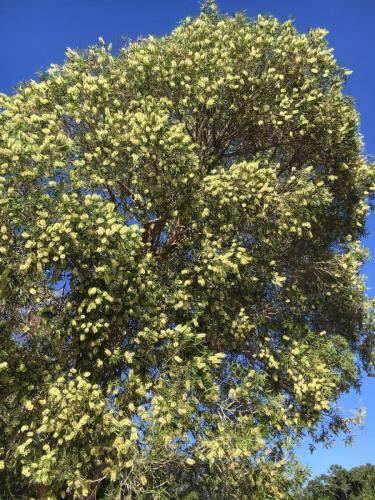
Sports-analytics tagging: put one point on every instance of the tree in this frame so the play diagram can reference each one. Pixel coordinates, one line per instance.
(181, 295)
(357, 483)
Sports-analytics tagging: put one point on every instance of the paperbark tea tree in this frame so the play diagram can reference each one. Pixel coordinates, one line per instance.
(180, 293)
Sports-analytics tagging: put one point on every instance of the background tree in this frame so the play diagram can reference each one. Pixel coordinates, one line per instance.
(341, 484)
(180, 295)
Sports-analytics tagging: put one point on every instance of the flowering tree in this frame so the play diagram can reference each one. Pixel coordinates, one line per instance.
(180, 295)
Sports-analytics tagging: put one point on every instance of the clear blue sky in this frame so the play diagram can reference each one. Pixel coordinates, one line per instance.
(35, 33)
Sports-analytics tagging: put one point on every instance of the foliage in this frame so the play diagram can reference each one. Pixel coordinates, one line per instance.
(180, 293)
(341, 484)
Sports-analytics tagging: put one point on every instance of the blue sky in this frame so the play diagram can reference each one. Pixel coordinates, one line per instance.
(36, 33)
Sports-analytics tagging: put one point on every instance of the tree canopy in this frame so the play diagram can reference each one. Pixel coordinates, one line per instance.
(180, 292)
(357, 483)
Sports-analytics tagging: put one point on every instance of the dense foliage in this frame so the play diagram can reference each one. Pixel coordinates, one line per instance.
(180, 293)
(357, 483)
